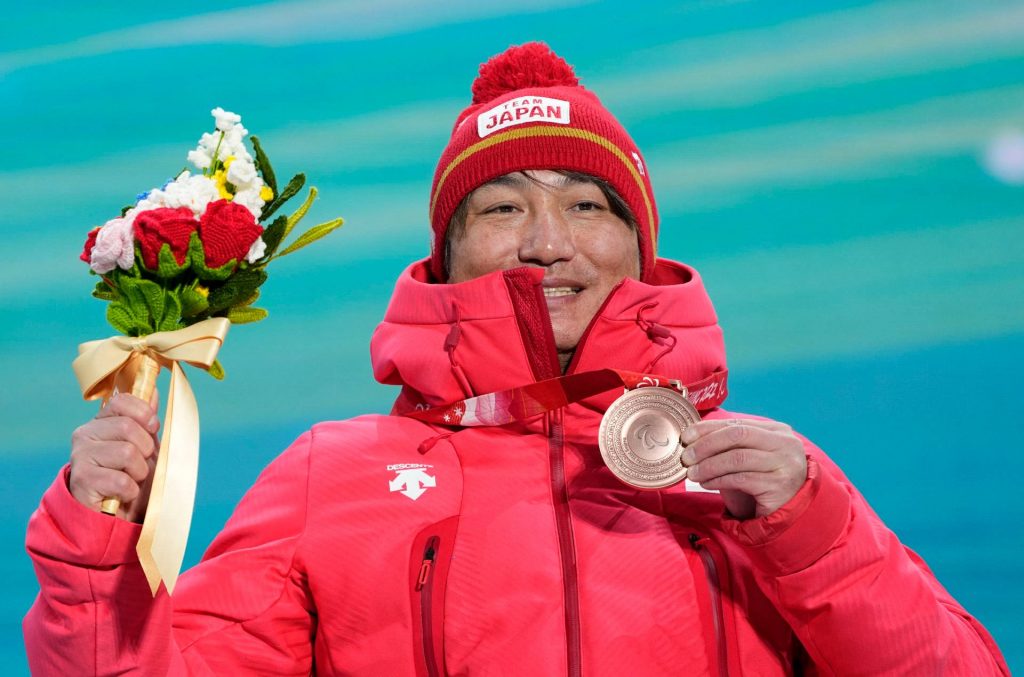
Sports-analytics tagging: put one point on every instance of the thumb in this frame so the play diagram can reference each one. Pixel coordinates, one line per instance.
(740, 505)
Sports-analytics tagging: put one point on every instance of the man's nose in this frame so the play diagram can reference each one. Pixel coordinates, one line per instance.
(547, 239)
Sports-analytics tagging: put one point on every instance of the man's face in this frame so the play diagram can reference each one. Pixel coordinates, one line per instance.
(547, 220)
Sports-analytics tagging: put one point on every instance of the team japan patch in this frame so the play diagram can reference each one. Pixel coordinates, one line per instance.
(521, 111)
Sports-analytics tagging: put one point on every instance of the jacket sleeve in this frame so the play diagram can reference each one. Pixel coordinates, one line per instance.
(860, 602)
(244, 608)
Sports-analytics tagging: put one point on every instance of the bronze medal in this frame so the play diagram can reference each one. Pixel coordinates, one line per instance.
(639, 436)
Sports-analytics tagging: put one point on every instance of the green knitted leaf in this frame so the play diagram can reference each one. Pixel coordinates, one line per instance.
(263, 164)
(167, 266)
(312, 235)
(153, 296)
(129, 288)
(252, 299)
(171, 319)
(121, 319)
(246, 315)
(236, 289)
(135, 300)
(135, 271)
(273, 235)
(192, 302)
(293, 187)
(216, 370)
(301, 211)
(198, 259)
(103, 291)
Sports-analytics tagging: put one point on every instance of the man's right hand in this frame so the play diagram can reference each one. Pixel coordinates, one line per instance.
(113, 455)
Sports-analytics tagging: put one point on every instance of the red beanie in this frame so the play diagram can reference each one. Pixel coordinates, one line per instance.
(529, 111)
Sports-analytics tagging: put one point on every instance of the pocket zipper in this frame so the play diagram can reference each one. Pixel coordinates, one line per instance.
(426, 589)
(715, 588)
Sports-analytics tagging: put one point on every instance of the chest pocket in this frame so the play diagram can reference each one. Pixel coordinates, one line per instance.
(429, 561)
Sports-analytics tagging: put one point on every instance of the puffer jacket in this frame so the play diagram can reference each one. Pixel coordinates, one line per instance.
(386, 546)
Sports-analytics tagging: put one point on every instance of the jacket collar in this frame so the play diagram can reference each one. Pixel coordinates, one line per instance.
(445, 342)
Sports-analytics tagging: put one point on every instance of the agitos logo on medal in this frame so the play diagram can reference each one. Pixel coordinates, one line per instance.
(520, 111)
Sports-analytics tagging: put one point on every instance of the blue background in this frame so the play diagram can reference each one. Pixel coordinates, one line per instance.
(825, 165)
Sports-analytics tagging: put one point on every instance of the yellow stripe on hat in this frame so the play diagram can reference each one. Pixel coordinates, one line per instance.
(546, 130)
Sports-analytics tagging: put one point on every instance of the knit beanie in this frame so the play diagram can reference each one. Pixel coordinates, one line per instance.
(529, 111)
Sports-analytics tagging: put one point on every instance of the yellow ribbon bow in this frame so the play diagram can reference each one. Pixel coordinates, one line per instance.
(111, 364)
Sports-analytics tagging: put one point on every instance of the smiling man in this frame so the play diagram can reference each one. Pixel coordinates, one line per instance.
(477, 529)
(574, 227)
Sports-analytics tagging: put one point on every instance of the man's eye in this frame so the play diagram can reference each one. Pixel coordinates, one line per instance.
(501, 209)
(587, 206)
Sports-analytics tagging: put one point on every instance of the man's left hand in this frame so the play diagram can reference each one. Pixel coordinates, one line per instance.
(756, 465)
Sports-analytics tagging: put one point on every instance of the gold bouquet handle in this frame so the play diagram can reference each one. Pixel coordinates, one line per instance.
(143, 388)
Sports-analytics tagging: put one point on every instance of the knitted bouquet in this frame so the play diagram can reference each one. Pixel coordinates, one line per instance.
(178, 267)
(194, 248)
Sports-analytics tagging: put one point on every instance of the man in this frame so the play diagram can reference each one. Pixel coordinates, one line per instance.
(477, 530)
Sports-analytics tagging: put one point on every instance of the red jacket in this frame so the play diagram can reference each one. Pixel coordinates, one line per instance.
(385, 546)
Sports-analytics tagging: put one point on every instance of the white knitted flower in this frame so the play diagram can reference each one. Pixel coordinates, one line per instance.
(187, 190)
(115, 245)
(251, 200)
(200, 158)
(225, 119)
(242, 173)
(209, 143)
(232, 146)
(256, 251)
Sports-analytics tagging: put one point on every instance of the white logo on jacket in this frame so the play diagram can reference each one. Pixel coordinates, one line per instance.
(413, 477)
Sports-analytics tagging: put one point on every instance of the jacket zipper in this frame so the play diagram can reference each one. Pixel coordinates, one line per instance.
(545, 365)
(424, 586)
(715, 588)
(574, 362)
(566, 544)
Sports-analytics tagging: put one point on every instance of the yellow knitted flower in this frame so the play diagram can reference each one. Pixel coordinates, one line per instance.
(220, 177)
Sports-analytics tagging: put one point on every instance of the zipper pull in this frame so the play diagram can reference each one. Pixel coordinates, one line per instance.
(428, 563)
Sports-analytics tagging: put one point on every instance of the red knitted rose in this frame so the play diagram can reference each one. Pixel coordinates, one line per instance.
(227, 231)
(154, 227)
(90, 242)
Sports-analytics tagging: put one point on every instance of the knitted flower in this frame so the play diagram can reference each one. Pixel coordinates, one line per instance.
(156, 227)
(221, 144)
(114, 246)
(90, 242)
(228, 231)
(220, 180)
(196, 241)
(242, 172)
(200, 158)
(252, 199)
(186, 190)
(256, 251)
(225, 119)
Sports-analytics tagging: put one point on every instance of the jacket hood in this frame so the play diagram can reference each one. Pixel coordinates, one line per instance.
(445, 342)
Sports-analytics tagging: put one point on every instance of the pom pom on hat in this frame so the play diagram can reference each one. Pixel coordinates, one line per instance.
(519, 67)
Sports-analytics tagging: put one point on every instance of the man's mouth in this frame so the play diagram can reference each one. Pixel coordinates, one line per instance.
(554, 292)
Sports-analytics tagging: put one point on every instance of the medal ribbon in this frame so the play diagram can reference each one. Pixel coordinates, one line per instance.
(517, 404)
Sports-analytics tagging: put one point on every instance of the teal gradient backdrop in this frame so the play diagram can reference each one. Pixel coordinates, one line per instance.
(848, 176)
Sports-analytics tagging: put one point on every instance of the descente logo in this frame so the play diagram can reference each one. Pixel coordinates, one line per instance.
(411, 479)
(521, 111)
